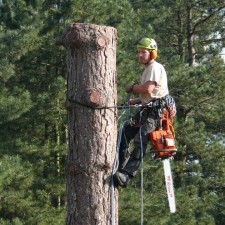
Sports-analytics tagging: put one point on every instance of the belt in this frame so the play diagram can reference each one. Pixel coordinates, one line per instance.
(156, 102)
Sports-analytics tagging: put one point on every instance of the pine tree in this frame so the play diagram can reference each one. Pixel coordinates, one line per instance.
(33, 122)
(195, 80)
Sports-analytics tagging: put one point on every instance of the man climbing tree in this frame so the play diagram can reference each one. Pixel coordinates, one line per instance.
(153, 89)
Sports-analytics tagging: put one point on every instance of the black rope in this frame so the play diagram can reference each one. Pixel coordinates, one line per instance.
(103, 107)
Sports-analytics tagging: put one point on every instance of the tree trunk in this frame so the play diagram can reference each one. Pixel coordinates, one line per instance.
(92, 122)
(190, 34)
(180, 26)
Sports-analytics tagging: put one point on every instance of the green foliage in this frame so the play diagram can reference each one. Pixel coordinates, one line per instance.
(198, 124)
(33, 141)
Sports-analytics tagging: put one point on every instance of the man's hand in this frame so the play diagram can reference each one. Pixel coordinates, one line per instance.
(134, 101)
(129, 88)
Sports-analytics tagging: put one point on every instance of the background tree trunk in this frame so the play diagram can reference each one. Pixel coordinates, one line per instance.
(92, 132)
(190, 34)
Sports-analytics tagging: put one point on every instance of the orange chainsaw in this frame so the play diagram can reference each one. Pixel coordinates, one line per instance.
(163, 147)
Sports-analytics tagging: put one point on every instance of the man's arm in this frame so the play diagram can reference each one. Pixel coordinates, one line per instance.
(145, 88)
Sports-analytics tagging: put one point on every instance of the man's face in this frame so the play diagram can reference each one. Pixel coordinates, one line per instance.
(143, 55)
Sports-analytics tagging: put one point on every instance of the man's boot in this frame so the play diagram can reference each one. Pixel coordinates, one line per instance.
(121, 179)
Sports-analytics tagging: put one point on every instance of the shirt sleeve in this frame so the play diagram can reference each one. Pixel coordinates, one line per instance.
(154, 73)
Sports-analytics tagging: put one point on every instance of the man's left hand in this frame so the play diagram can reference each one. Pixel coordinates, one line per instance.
(128, 88)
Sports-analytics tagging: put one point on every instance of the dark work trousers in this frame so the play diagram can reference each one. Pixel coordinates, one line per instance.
(132, 131)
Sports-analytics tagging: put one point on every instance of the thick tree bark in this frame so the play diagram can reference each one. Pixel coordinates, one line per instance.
(92, 125)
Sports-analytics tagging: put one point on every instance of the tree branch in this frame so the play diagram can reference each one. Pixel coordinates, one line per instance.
(206, 18)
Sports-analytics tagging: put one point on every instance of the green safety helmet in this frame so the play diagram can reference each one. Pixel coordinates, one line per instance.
(147, 43)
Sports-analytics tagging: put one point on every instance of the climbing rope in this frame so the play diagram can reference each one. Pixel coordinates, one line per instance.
(116, 162)
(96, 107)
(116, 165)
(126, 106)
(142, 172)
(142, 180)
(125, 113)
